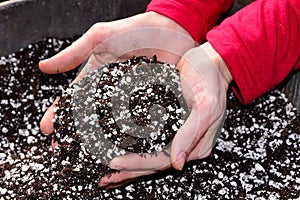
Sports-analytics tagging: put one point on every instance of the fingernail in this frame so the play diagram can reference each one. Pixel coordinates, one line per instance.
(42, 62)
(115, 164)
(180, 161)
(116, 167)
(102, 183)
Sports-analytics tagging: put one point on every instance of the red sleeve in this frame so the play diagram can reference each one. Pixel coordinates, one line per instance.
(196, 16)
(260, 45)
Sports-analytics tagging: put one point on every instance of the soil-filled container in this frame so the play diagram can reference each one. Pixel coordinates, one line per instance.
(256, 156)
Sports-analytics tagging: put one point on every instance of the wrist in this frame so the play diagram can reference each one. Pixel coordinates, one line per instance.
(218, 61)
(162, 21)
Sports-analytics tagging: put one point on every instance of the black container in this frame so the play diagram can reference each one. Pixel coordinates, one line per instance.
(26, 21)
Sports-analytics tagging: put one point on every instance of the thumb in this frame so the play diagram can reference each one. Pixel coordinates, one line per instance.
(74, 55)
(188, 137)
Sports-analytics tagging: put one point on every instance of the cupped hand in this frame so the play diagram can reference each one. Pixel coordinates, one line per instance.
(145, 34)
(204, 81)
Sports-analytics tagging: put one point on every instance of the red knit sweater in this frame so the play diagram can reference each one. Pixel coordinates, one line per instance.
(260, 44)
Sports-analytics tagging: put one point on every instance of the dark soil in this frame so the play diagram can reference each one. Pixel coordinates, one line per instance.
(256, 156)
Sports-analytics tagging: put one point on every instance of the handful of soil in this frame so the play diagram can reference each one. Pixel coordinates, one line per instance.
(135, 106)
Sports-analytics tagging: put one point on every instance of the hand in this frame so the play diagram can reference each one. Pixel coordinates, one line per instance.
(204, 80)
(144, 34)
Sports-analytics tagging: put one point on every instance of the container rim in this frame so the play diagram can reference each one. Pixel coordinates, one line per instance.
(10, 3)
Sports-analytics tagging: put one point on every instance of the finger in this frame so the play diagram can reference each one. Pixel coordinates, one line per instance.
(74, 55)
(54, 143)
(202, 149)
(47, 122)
(188, 137)
(145, 162)
(111, 186)
(207, 142)
(119, 178)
